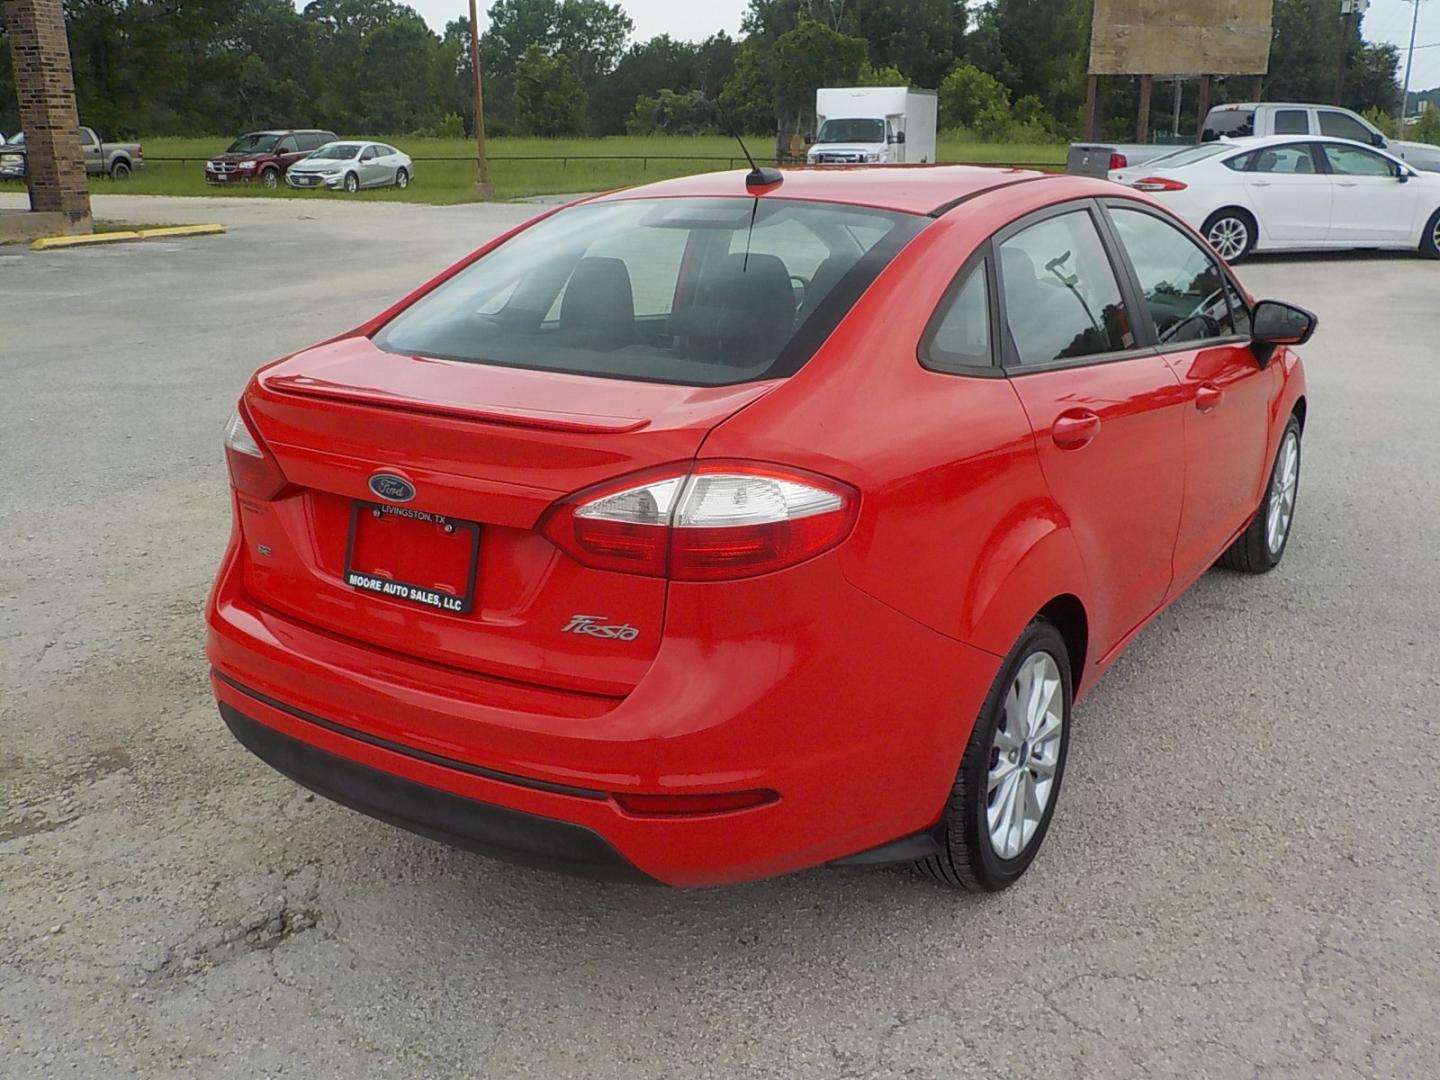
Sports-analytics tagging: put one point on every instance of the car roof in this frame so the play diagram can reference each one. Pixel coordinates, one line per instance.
(913, 189)
(1250, 142)
(1232, 105)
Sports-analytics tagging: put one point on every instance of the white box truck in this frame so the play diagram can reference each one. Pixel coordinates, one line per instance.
(886, 125)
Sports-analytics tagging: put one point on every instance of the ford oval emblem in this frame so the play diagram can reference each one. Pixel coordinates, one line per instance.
(392, 488)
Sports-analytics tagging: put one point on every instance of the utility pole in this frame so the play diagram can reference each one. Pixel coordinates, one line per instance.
(1409, 63)
(483, 187)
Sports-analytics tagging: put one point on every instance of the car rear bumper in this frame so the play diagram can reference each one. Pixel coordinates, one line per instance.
(432, 812)
(853, 713)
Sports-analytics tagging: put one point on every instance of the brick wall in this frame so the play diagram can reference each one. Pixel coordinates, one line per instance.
(45, 86)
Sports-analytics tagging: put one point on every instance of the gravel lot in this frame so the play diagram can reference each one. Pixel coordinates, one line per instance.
(1242, 879)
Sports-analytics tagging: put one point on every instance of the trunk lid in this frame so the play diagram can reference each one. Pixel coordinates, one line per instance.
(476, 443)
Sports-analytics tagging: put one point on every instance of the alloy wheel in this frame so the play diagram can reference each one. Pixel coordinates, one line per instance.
(1229, 236)
(402, 179)
(1024, 755)
(272, 179)
(1283, 488)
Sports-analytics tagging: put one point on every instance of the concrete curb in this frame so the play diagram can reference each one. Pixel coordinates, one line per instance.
(50, 243)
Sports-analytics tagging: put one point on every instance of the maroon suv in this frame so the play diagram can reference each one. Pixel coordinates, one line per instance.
(264, 156)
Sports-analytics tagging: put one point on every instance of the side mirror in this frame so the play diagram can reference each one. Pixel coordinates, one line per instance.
(900, 138)
(1274, 323)
(1378, 140)
(1403, 174)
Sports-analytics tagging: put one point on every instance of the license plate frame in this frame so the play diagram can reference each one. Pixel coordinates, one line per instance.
(366, 580)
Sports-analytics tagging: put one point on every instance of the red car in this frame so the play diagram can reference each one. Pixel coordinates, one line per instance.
(737, 524)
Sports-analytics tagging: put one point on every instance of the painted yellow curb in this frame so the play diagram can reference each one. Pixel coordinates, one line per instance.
(183, 230)
(50, 242)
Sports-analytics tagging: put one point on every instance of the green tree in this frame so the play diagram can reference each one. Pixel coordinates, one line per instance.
(549, 97)
(890, 75)
(1040, 47)
(645, 69)
(1427, 128)
(922, 37)
(747, 100)
(805, 59)
(670, 113)
(969, 96)
(403, 76)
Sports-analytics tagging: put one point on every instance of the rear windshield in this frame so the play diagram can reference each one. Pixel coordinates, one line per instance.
(1189, 155)
(336, 152)
(1236, 123)
(701, 292)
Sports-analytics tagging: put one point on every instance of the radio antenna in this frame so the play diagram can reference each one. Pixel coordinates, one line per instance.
(757, 176)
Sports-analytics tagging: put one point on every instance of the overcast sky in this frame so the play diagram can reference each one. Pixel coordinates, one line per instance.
(1388, 20)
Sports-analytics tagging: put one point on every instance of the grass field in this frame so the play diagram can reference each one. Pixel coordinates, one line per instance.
(518, 167)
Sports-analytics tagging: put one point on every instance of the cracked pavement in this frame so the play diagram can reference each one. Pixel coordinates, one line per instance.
(1242, 880)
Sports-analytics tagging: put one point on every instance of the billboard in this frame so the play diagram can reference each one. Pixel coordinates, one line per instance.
(1181, 37)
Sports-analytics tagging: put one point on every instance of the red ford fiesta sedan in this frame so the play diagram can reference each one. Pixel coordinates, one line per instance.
(737, 524)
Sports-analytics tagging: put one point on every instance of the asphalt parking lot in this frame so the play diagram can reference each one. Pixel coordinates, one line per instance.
(1243, 878)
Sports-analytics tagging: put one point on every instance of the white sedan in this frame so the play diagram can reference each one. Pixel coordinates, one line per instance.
(350, 166)
(1289, 193)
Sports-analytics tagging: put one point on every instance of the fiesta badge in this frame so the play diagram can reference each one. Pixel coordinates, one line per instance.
(392, 488)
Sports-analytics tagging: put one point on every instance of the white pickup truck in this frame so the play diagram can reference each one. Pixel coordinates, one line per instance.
(115, 160)
(1244, 119)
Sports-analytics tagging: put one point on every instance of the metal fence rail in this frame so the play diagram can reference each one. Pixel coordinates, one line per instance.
(644, 159)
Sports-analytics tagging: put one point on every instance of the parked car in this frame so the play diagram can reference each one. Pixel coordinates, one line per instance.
(726, 526)
(12, 160)
(1254, 120)
(115, 160)
(1294, 193)
(264, 156)
(351, 166)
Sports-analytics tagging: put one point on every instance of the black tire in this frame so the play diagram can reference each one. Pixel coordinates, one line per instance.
(352, 183)
(120, 170)
(1430, 242)
(1253, 553)
(402, 179)
(1228, 222)
(270, 178)
(968, 859)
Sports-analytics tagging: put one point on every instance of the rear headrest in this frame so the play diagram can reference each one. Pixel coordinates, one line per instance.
(599, 299)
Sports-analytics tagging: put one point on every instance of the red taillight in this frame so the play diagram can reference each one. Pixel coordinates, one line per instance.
(720, 802)
(1118, 161)
(253, 468)
(1158, 183)
(718, 521)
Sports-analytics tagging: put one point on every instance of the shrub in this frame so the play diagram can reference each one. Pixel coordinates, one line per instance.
(970, 97)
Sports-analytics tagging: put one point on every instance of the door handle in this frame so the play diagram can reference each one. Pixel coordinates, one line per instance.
(1073, 430)
(1259, 183)
(1347, 183)
(1207, 398)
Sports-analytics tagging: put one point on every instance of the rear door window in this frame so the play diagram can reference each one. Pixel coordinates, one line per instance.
(705, 292)
(1062, 299)
(1293, 159)
(1339, 126)
(1292, 122)
(1223, 122)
